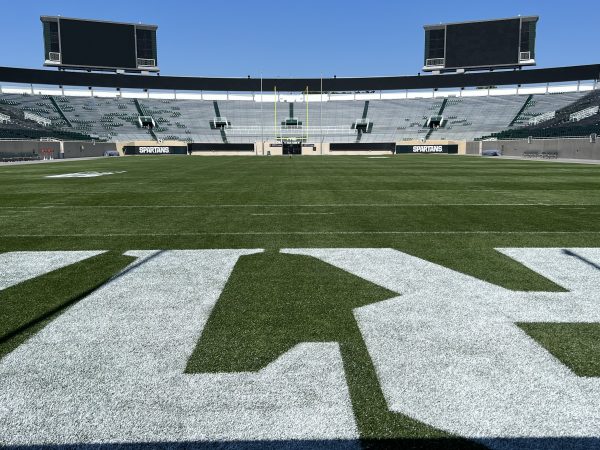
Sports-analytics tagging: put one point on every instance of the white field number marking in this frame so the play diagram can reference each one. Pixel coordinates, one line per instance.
(17, 267)
(447, 353)
(111, 369)
(84, 174)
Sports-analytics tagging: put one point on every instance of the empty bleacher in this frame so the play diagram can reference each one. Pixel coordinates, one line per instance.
(541, 104)
(22, 123)
(578, 117)
(390, 120)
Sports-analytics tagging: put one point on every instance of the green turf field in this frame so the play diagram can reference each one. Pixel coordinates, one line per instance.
(275, 202)
(453, 211)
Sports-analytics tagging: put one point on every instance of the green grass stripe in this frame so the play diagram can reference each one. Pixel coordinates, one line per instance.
(576, 345)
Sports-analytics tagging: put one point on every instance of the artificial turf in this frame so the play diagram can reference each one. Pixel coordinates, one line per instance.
(451, 210)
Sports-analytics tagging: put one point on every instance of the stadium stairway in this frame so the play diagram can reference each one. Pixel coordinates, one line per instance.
(523, 108)
(359, 132)
(144, 112)
(218, 114)
(60, 111)
(440, 113)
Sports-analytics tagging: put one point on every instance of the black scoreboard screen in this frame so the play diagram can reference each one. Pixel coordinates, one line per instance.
(479, 45)
(99, 45)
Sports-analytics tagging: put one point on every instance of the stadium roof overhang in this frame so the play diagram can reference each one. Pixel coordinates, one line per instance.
(123, 81)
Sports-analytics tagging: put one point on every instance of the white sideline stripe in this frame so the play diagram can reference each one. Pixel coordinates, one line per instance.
(284, 233)
(15, 211)
(291, 205)
(469, 189)
(294, 214)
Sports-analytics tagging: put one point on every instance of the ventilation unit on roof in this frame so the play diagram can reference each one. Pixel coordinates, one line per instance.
(54, 57)
(434, 62)
(144, 62)
(524, 56)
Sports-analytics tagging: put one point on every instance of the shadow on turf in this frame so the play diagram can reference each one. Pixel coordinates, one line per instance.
(63, 306)
(401, 444)
(38, 321)
(581, 258)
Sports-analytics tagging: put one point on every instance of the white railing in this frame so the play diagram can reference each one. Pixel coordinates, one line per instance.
(300, 98)
(39, 119)
(220, 122)
(542, 118)
(584, 113)
(4, 118)
(145, 120)
(288, 131)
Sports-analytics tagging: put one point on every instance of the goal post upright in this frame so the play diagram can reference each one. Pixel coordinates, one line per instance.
(306, 101)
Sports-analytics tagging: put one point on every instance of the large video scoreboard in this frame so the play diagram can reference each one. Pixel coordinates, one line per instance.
(99, 45)
(485, 44)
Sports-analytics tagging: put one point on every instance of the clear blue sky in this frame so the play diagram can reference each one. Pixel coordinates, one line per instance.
(302, 38)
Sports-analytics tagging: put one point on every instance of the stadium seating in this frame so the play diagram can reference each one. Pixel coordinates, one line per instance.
(580, 117)
(116, 118)
(17, 126)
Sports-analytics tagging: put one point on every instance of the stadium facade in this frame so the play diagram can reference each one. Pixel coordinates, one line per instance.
(309, 116)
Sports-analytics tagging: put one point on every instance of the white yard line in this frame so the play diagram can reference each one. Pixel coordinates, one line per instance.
(41, 161)
(7, 210)
(468, 190)
(294, 214)
(558, 160)
(322, 205)
(287, 233)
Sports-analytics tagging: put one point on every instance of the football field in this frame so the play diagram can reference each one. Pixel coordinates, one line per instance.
(418, 301)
